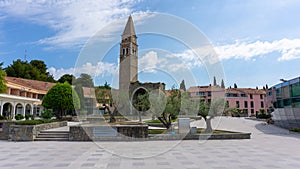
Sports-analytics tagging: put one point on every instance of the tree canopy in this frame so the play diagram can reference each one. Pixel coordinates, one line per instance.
(67, 78)
(172, 108)
(35, 70)
(182, 86)
(215, 81)
(222, 84)
(61, 98)
(2, 81)
(105, 86)
(85, 80)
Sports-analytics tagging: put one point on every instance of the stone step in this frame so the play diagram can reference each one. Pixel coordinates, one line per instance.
(53, 135)
(52, 131)
(51, 139)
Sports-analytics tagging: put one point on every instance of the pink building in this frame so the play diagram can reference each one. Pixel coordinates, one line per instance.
(247, 100)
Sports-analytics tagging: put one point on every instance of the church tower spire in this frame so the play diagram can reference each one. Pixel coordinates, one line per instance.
(129, 29)
(128, 56)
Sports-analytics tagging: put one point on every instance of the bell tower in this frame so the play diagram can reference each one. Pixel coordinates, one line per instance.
(128, 57)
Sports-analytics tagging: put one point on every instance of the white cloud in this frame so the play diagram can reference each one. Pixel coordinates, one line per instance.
(290, 55)
(288, 48)
(189, 58)
(154, 61)
(57, 73)
(74, 21)
(102, 69)
(149, 62)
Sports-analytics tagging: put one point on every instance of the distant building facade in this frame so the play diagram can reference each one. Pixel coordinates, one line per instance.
(284, 100)
(23, 96)
(246, 100)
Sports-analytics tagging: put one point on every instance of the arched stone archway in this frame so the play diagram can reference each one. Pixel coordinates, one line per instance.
(28, 109)
(8, 109)
(140, 101)
(19, 109)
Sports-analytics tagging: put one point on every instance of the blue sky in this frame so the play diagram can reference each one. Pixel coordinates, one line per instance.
(257, 42)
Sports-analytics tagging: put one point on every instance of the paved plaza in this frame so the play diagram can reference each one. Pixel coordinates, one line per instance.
(269, 147)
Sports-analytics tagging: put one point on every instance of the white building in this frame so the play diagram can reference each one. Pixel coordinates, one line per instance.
(23, 96)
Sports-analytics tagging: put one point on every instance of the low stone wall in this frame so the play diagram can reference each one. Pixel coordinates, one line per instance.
(200, 136)
(5, 129)
(220, 136)
(77, 133)
(29, 132)
(117, 132)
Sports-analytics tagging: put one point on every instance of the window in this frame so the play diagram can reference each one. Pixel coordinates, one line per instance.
(243, 95)
(278, 92)
(200, 93)
(270, 93)
(231, 95)
(127, 51)
(287, 102)
(237, 104)
(278, 104)
(209, 93)
(251, 96)
(40, 96)
(262, 104)
(252, 104)
(245, 104)
(261, 96)
(123, 51)
(295, 89)
(252, 111)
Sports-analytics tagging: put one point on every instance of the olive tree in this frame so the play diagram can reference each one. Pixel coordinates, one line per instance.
(210, 110)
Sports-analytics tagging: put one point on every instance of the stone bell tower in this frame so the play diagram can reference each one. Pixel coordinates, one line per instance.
(128, 70)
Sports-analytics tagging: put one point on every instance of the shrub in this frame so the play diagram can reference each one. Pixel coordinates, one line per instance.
(2, 117)
(35, 122)
(19, 117)
(295, 130)
(28, 116)
(47, 114)
(263, 116)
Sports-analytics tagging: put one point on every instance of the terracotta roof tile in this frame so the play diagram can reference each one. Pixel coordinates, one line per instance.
(229, 90)
(33, 84)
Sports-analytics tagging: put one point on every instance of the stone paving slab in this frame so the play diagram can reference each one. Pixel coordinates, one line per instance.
(270, 147)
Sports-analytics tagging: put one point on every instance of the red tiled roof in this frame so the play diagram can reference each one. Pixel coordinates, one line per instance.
(229, 90)
(33, 84)
(205, 89)
(246, 90)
